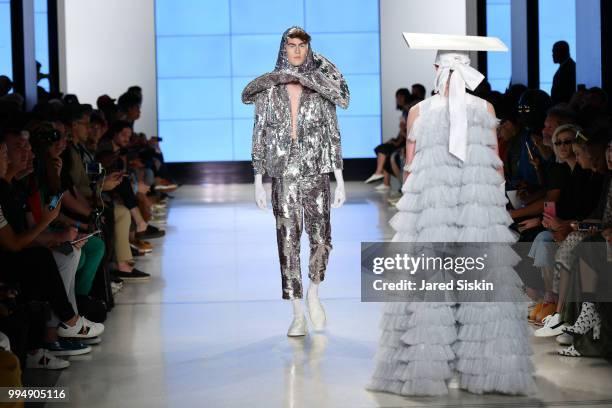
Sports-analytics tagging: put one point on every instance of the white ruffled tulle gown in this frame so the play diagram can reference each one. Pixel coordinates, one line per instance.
(486, 345)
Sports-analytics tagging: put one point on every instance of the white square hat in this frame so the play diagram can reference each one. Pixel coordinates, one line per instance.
(425, 41)
(454, 74)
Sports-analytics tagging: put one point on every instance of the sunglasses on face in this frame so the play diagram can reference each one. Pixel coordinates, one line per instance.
(564, 142)
(524, 109)
(51, 136)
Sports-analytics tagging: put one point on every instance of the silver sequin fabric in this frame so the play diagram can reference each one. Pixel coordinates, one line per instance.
(318, 136)
(299, 167)
(299, 201)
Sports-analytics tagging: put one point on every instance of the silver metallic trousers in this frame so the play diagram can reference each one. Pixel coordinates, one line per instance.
(298, 200)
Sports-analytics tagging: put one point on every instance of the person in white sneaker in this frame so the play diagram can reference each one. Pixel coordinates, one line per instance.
(81, 329)
(553, 326)
(43, 358)
(35, 268)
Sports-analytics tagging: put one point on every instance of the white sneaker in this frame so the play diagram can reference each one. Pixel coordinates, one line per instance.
(553, 326)
(382, 187)
(565, 339)
(374, 177)
(44, 359)
(166, 187)
(298, 327)
(98, 326)
(81, 330)
(116, 287)
(316, 312)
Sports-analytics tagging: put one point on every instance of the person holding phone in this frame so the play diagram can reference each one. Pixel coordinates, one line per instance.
(124, 202)
(557, 183)
(532, 108)
(27, 207)
(571, 179)
(590, 148)
(540, 281)
(589, 335)
(78, 260)
(35, 268)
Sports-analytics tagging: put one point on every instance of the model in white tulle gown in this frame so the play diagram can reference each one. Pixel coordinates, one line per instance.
(485, 345)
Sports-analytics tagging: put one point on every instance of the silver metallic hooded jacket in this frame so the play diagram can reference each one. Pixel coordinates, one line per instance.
(318, 136)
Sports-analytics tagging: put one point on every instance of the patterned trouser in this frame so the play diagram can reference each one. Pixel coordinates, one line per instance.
(565, 258)
(298, 200)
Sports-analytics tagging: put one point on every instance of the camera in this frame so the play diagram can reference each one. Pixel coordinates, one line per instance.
(94, 169)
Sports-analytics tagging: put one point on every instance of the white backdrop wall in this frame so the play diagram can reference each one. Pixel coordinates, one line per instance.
(106, 47)
(401, 67)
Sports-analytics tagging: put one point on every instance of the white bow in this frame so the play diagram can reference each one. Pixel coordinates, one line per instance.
(463, 76)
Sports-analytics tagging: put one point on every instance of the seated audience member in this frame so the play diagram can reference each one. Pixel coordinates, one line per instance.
(556, 116)
(557, 187)
(106, 105)
(47, 272)
(532, 109)
(585, 285)
(98, 126)
(112, 153)
(34, 268)
(385, 150)
(418, 93)
(128, 107)
(49, 145)
(586, 197)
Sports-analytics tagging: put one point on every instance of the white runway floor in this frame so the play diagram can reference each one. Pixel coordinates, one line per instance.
(209, 329)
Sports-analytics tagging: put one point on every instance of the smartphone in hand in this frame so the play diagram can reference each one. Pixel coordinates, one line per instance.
(529, 151)
(586, 226)
(55, 200)
(550, 208)
(85, 237)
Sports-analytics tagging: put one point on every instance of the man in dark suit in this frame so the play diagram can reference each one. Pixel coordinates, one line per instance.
(564, 81)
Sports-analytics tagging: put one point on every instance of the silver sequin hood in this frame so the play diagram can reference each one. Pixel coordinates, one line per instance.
(316, 73)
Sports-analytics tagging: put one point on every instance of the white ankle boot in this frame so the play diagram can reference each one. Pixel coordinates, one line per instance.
(316, 311)
(298, 327)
